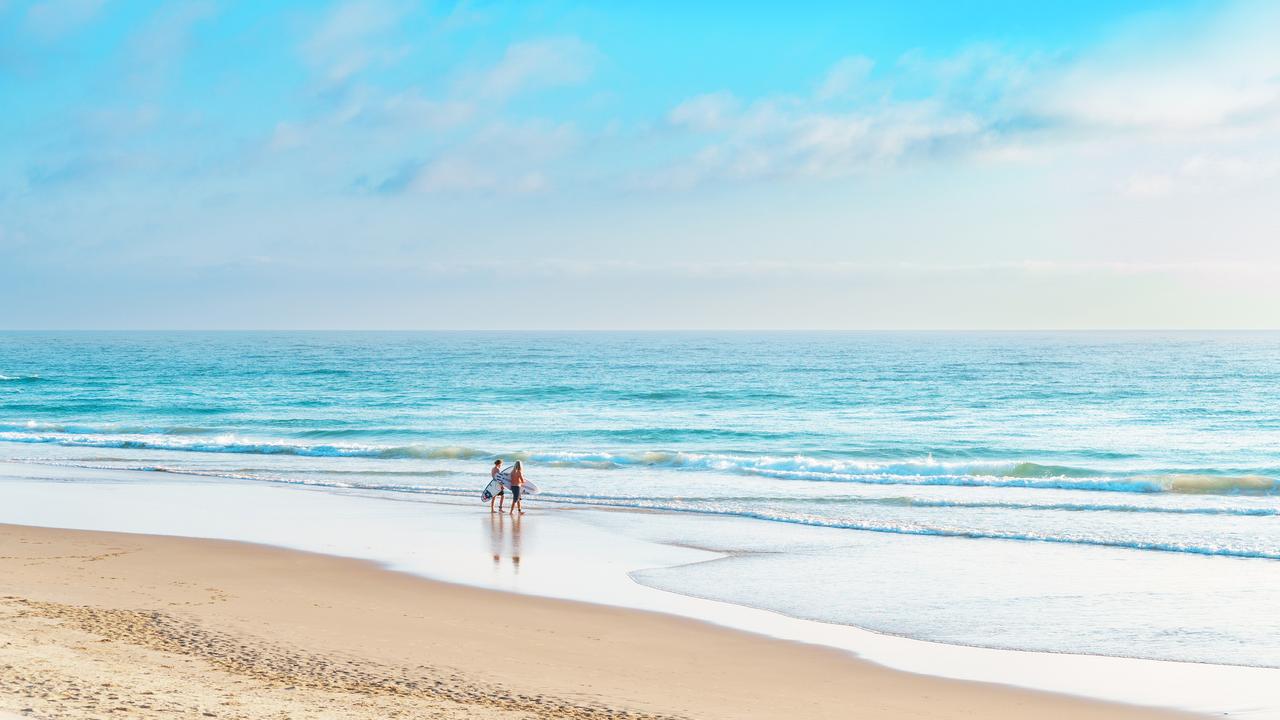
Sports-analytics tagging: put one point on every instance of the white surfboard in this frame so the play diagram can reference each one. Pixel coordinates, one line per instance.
(502, 481)
(490, 490)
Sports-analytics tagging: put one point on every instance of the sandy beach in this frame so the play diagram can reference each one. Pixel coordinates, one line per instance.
(93, 623)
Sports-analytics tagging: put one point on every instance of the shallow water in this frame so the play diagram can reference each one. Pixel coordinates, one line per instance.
(1100, 493)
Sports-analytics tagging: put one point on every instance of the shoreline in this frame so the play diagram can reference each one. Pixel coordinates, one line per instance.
(580, 555)
(231, 629)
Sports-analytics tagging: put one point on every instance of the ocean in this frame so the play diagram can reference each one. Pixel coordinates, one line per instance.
(1099, 493)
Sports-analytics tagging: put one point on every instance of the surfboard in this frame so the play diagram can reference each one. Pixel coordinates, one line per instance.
(529, 488)
(490, 490)
(503, 481)
(500, 482)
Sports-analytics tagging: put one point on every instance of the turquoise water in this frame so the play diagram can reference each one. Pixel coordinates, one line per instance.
(1138, 453)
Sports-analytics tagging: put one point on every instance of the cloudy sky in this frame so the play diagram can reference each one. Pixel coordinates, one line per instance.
(879, 164)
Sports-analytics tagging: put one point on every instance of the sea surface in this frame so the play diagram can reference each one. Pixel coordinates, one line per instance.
(1107, 493)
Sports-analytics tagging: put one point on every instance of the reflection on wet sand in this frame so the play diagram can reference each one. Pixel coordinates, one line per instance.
(504, 538)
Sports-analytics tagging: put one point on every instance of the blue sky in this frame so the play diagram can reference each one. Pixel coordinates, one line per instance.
(389, 164)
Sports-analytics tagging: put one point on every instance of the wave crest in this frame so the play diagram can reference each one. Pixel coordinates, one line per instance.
(1217, 484)
(921, 472)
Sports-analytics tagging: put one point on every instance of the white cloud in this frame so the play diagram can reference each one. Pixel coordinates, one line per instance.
(458, 130)
(498, 158)
(157, 49)
(287, 136)
(845, 76)
(342, 45)
(704, 112)
(367, 116)
(980, 77)
(1197, 74)
(1202, 174)
(531, 141)
(51, 19)
(534, 65)
(1145, 185)
(1153, 95)
(412, 109)
(792, 138)
(1226, 169)
(452, 174)
(851, 124)
(460, 174)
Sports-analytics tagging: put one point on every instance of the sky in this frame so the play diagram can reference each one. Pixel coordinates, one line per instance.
(886, 164)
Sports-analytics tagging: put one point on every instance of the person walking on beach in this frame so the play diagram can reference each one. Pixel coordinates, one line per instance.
(500, 495)
(517, 488)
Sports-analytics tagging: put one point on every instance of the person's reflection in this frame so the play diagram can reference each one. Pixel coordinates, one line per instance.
(496, 523)
(498, 540)
(515, 542)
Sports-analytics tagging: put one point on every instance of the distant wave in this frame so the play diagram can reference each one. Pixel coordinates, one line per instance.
(230, 443)
(911, 502)
(993, 477)
(259, 475)
(922, 472)
(263, 475)
(103, 429)
(20, 378)
(122, 429)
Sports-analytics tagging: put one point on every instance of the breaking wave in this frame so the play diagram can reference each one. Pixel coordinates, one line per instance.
(918, 472)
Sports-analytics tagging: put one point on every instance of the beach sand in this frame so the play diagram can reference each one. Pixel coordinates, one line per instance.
(97, 624)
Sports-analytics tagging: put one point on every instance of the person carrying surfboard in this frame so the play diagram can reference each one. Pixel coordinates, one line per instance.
(493, 477)
(517, 488)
